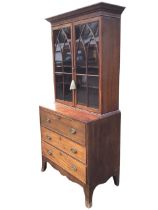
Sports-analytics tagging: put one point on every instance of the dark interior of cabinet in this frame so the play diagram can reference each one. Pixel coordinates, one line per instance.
(86, 63)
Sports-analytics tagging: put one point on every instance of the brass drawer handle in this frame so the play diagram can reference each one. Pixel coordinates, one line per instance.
(49, 138)
(74, 168)
(48, 120)
(73, 150)
(72, 130)
(49, 152)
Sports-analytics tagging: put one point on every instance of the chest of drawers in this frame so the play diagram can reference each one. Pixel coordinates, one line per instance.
(82, 146)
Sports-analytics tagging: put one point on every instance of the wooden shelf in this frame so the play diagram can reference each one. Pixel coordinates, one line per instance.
(62, 73)
(88, 66)
(91, 75)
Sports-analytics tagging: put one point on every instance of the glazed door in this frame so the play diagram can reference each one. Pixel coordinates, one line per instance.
(87, 64)
(63, 61)
(76, 64)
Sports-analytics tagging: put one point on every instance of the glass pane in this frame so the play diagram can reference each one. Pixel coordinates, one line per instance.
(63, 63)
(58, 55)
(82, 90)
(67, 69)
(68, 33)
(92, 54)
(78, 31)
(95, 28)
(81, 70)
(87, 38)
(58, 69)
(86, 35)
(80, 50)
(67, 91)
(93, 97)
(66, 57)
(93, 93)
(61, 37)
(87, 63)
(93, 70)
(92, 49)
(81, 56)
(59, 86)
(67, 47)
(62, 43)
(93, 81)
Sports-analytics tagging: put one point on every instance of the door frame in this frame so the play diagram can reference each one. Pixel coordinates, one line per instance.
(73, 57)
(79, 22)
(53, 28)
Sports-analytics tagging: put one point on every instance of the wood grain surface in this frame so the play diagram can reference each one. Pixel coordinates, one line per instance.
(73, 166)
(75, 150)
(70, 128)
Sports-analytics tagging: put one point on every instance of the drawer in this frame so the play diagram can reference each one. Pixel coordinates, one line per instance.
(70, 128)
(72, 166)
(75, 150)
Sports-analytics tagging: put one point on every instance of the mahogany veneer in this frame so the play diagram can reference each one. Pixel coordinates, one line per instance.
(81, 132)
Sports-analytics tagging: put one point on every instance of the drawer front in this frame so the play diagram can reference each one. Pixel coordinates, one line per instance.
(75, 150)
(66, 162)
(72, 129)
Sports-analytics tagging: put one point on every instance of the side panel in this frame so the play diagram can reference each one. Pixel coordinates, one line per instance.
(110, 63)
(103, 148)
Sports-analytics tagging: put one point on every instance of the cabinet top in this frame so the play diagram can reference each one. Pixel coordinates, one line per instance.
(71, 112)
(76, 114)
(99, 7)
